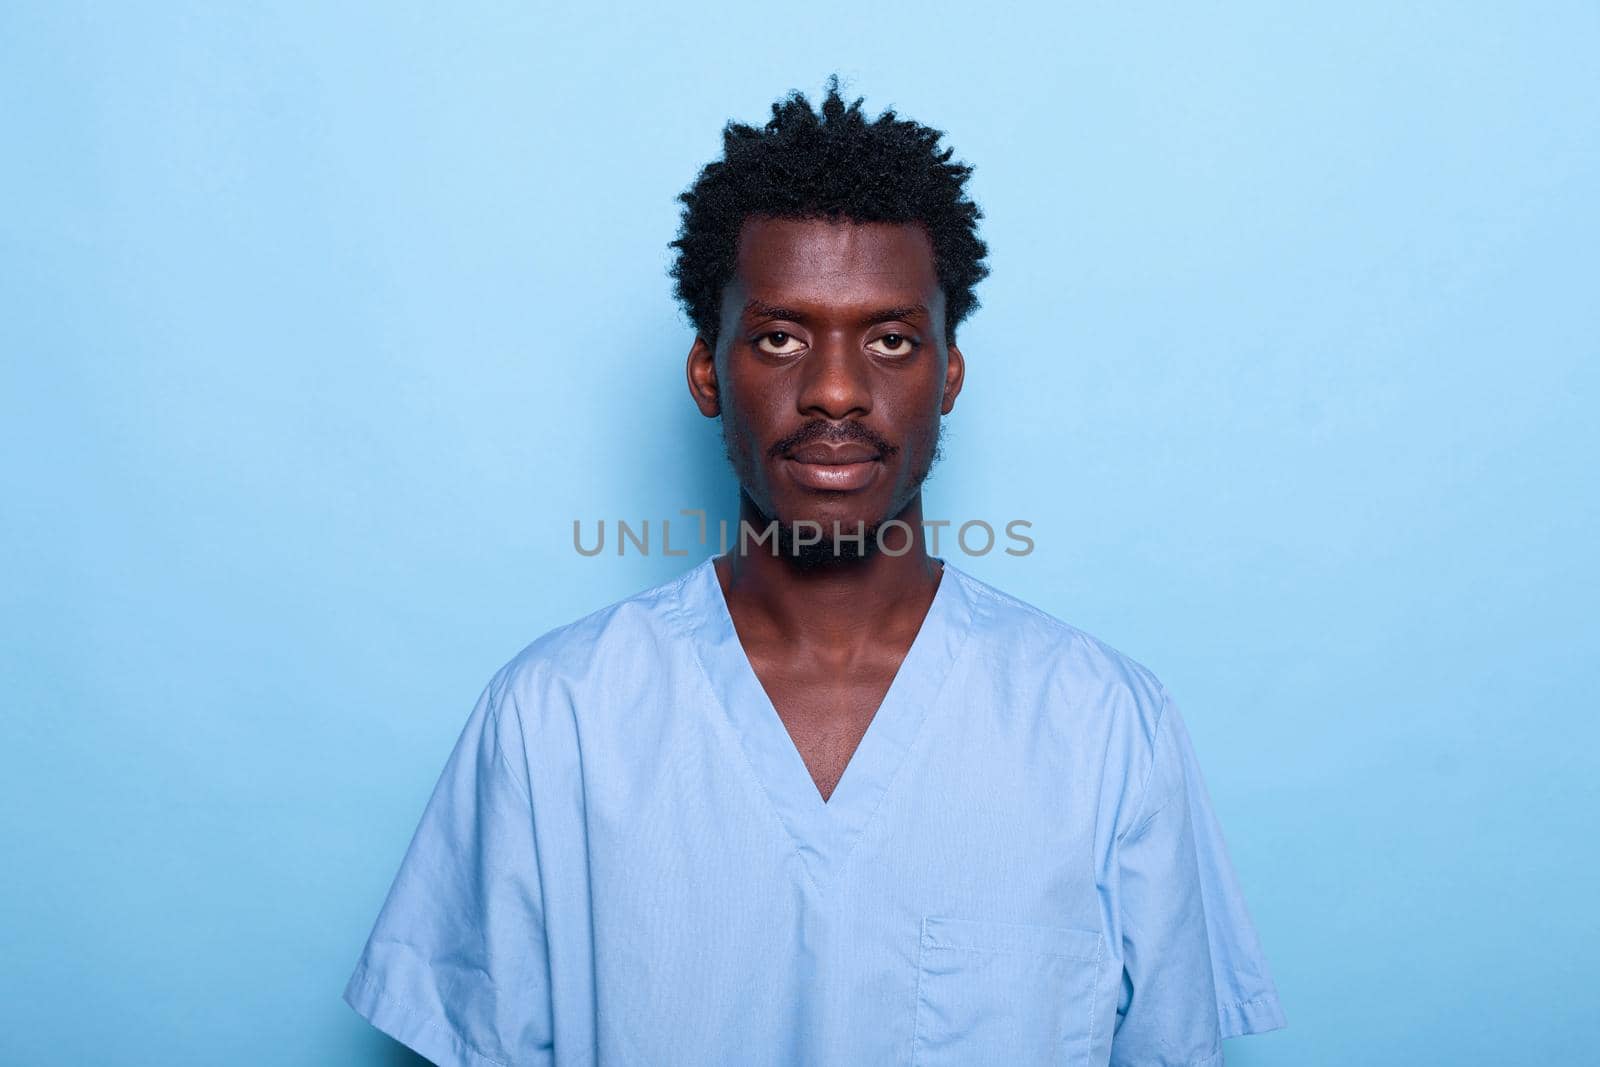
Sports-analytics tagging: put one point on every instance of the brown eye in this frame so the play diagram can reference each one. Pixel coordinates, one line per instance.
(779, 343)
(894, 344)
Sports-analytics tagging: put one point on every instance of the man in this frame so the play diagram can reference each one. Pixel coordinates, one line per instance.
(825, 798)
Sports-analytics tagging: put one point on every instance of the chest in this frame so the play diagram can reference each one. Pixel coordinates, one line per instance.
(826, 713)
(941, 910)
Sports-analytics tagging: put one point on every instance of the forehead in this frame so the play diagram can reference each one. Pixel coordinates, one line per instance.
(825, 263)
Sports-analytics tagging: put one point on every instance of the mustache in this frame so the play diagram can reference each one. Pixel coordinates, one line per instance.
(843, 433)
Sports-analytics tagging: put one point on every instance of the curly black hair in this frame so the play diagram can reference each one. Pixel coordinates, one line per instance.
(833, 163)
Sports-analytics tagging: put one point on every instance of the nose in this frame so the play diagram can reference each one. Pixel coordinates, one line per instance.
(835, 380)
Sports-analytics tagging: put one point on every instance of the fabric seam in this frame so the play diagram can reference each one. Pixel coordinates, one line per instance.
(916, 1015)
(427, 1020)
(1142, 819)
(922, 726)
(738, 744)
(1094, 994)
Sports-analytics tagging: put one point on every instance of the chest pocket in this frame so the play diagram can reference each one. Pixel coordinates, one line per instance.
(991, 992)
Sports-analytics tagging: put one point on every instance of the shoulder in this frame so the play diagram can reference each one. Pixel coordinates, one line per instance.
(1081, 673)
(612, 645)
(1102, 698)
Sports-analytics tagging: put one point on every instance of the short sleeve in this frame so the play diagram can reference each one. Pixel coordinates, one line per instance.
(456, 966)
(1193, 970)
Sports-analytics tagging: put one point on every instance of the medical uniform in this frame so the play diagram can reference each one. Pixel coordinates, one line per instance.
(627, 862)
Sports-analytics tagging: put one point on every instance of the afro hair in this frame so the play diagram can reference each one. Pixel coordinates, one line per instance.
(831, 163)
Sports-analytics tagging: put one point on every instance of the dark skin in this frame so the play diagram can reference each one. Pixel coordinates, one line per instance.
(832, 335)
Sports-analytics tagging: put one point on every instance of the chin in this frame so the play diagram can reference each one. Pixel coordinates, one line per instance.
(849, 514)
(823, 555)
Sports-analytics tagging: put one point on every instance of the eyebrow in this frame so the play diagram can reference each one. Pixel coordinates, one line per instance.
(761, 311)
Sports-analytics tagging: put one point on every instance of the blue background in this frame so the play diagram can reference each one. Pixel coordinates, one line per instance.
(319, 327)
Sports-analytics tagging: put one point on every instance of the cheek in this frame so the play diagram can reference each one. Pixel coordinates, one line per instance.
(741, 430)
(737, 434)
(757, 415)
(926, 395)
(918, 416)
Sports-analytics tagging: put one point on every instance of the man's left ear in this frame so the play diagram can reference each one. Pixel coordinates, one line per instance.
(954, 373)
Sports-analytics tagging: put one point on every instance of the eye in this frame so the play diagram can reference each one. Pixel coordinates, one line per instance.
(894, 344)
(779, 343)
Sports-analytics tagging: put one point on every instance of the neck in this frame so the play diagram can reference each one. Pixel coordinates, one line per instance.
(842, 602)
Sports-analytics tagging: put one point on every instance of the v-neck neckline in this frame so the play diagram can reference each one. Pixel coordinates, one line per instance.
(825, 831)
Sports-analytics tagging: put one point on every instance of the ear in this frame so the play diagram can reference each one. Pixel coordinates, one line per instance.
(702, 373)
(955, 373)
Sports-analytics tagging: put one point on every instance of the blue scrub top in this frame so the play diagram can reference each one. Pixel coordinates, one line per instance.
(626, 861)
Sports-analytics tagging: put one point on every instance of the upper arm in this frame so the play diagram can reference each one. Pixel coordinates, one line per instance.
(456, 966)
(1193, 970)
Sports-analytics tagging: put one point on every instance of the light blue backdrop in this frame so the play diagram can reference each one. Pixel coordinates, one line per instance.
(320, 326)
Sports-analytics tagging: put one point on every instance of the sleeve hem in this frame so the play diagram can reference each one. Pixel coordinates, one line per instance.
(1213, 1060)
(425, 1035)
(1255, 1016)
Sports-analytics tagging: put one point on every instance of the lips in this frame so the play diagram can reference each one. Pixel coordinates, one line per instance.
(833, 455)
(843, 468)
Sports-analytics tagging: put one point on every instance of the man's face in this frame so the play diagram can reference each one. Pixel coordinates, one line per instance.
(831, 371)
